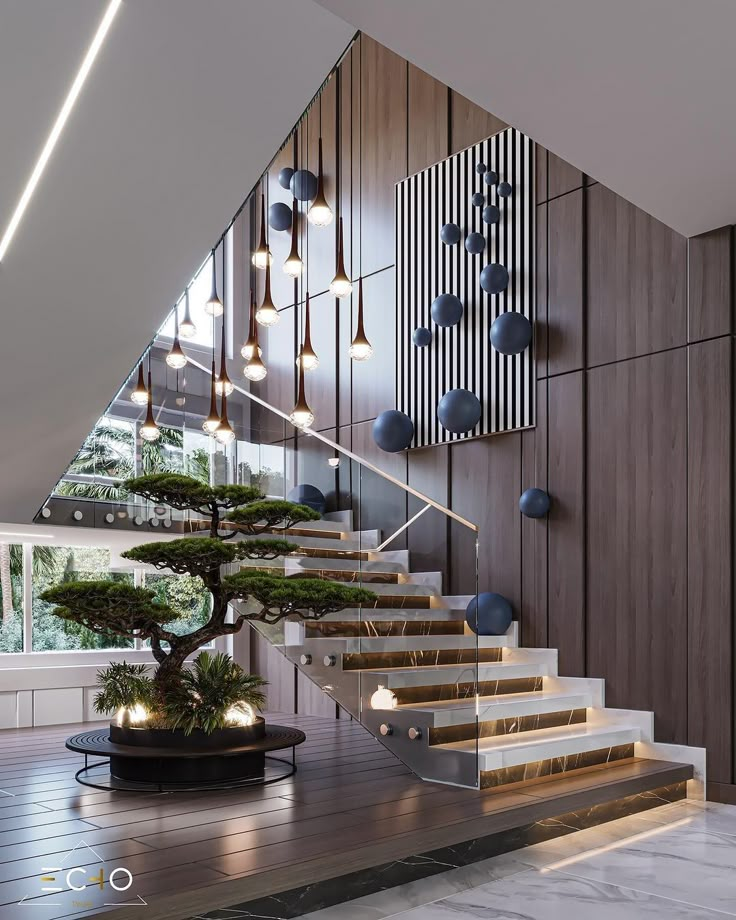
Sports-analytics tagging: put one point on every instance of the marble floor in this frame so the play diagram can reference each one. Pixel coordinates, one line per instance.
(677, 861)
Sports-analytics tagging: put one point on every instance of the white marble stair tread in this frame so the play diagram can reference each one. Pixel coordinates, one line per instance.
(323, 525)
(358, 645)
(351, 545)
(402, 590)
(542, 744)
(397, 614)
(344, 565)
(504, 706)
(432, 675)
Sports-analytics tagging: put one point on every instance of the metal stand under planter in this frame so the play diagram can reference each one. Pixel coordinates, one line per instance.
(161, 760)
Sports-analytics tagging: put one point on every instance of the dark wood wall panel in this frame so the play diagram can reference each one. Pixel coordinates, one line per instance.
(383, 151)
(427, 538)
(710, 284)
(566, 561)
(469, 123)
(710, 554)
(321, 383)
(484, 488)
(637, 536)
(279, 241)
(565, 328)
(636, 281)
(374, 381)
(319, 253)
(427, 120)
(561, 177)
(535, 532)
(279, 354)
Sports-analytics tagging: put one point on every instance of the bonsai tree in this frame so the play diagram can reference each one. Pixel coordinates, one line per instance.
(227, 512)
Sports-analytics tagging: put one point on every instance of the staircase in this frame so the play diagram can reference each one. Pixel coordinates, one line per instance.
(528, 724)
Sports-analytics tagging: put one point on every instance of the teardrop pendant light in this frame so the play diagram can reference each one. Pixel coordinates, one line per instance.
(139, 395)
(212, 421)
(360, 348)
(251, 344)
(320, 213)
(224, 431)
(255, 369)
(149, 430)
(262, 257)
(187, 329)
(267, 314)
(293, 266)
(301, 415)
(213, 306)
(307, 357)
(176, 357)
(223, 383)
(340, 286)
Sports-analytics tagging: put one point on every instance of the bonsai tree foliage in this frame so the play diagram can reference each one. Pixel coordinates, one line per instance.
(229, 512)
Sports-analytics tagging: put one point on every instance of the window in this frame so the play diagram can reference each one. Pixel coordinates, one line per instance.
(11, 592)
(187, 595)
(53, 565)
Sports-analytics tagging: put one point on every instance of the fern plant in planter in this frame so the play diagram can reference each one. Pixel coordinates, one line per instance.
(241, 525)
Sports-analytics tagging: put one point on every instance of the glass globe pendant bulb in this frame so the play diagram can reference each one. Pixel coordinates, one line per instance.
(301, 415)
(267, 314)
(176, 357)
(139, 395)
(149, 430)
(307, 359)
(251, 344)
(224, 431)
(262, 257)
(293, 266)
(360, 348)
(248, 349)
(212, 421)
(224, 385)
(187, 329)
(320, 213)
(213, 306)
(255, 369)
(340, 286)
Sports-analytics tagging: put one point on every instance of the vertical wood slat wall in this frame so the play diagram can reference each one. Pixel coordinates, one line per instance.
(631, 576)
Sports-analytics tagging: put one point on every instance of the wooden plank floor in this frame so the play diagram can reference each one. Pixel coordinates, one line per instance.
(351, 805)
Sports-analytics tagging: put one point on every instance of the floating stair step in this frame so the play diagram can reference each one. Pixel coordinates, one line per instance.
(408, 643)
(398, 616)
(329, 543)
(368, 578)
(514, 706)
(385, 627)
(349, 566)
(452, 674)
(418, 658)
(534, 755)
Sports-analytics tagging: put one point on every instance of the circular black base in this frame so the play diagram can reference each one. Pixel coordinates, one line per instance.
(141, 767)
(275, 770)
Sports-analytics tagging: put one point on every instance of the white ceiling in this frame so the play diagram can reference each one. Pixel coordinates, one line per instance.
(185, 106)
(639, 94)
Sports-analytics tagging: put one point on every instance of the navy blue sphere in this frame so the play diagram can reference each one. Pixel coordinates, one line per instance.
(393, 431)
(481, 168)
(450, 234)
(303, 185)
(475, 243)
(491, 214)
(511, 333)
(308, 495)
(489, 614)
(279, 216)
(459, 411)
(491, 177)
(446, 310)
(494, 278)
(421, 337)
(285, 175)
(534, 503)
(478, 199)
(504, 189)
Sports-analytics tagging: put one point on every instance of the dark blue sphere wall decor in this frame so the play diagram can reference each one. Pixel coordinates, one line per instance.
(491, 214)
(310, 496)
(285, 175)
(489, 614)
(491, 177)
(446, 310)
(450, 234)
(504, 189)
(421, 337)
(534, 503)
(279, 216)
(393, 431)
(478, 199)
(481, 168)
(475, 243)
(494, 278)
(511, 333)
(303, 185)
(459, 411)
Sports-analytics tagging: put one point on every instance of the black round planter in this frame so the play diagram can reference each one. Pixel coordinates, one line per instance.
(225, 754)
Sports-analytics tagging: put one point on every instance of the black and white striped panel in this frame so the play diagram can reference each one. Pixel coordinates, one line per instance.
(462, 355)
